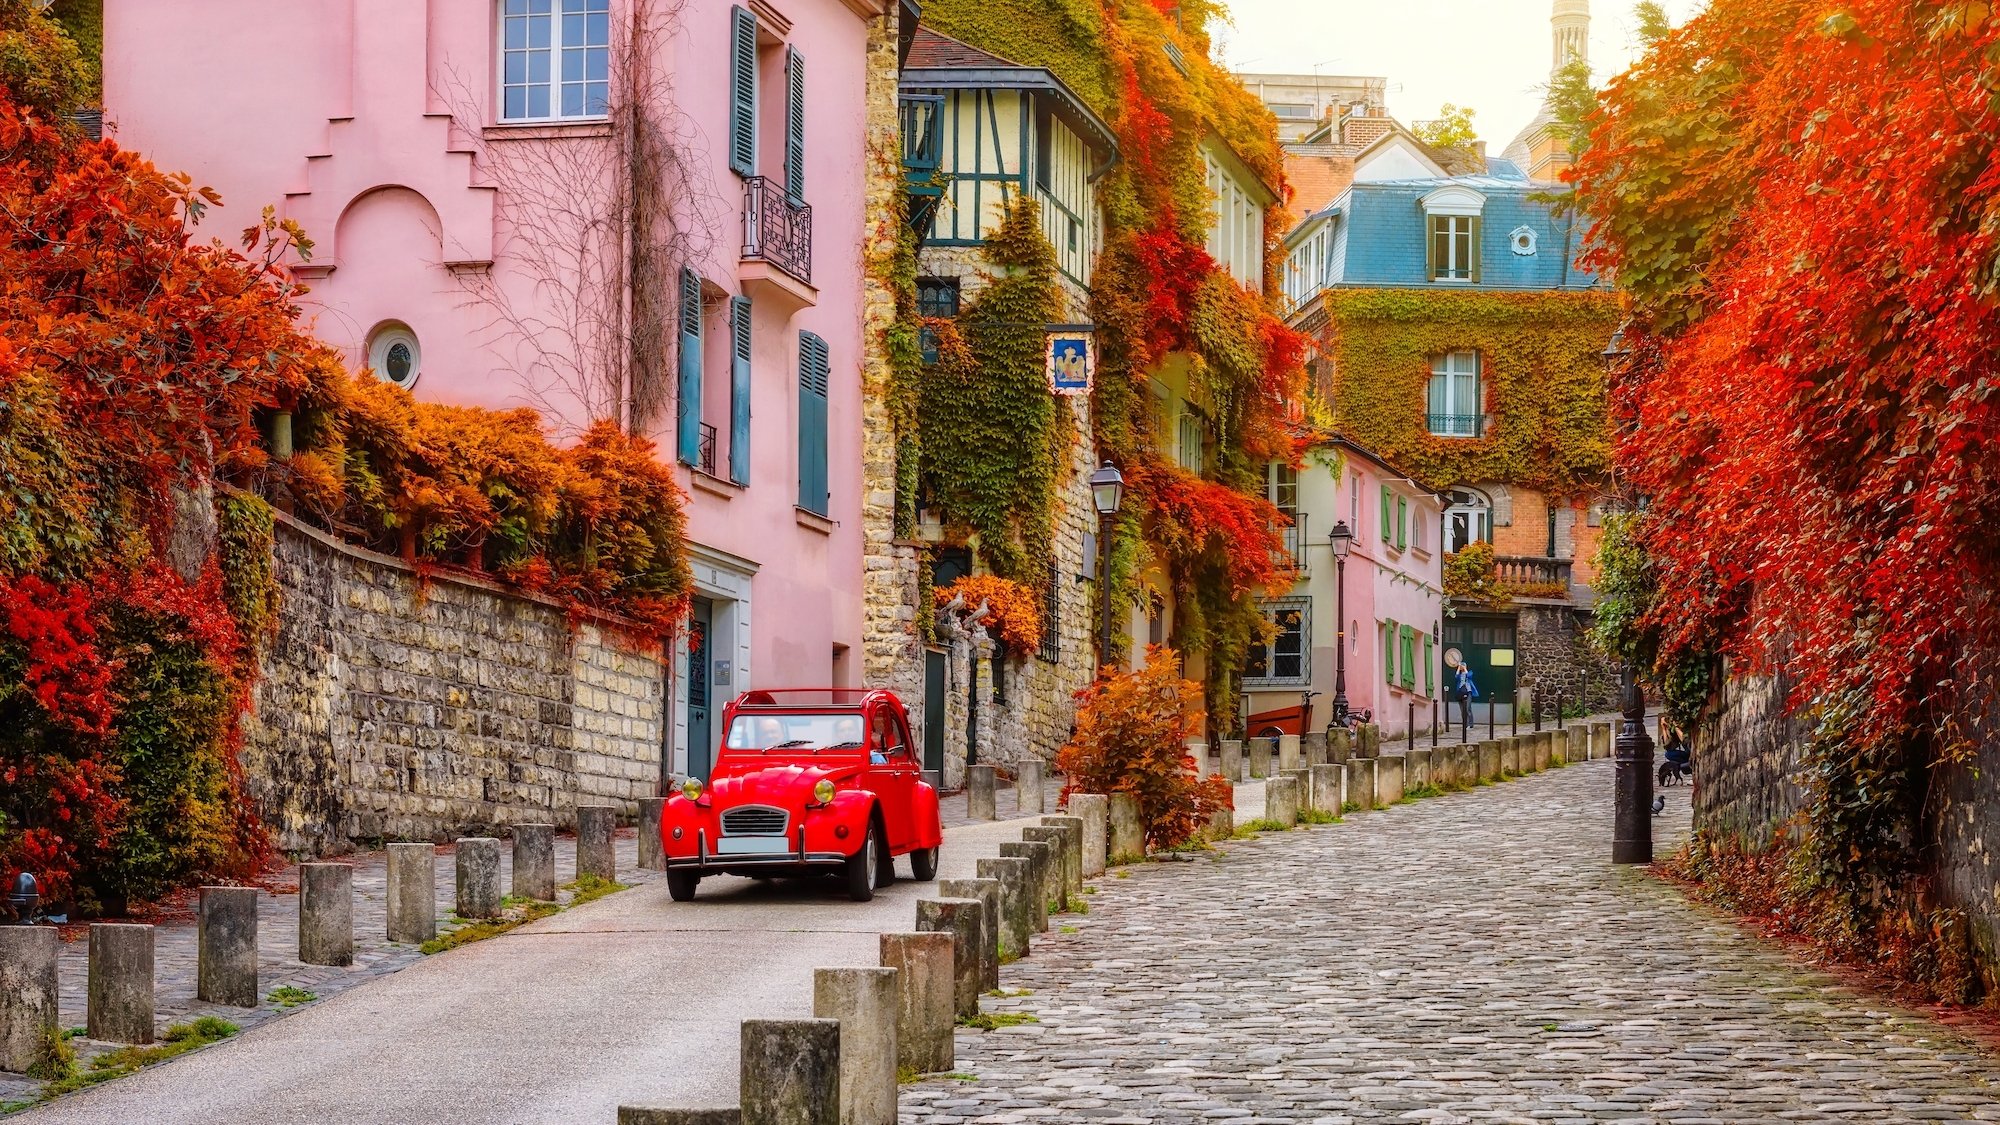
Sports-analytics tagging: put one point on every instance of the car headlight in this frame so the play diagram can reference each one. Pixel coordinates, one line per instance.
(823, 792)
(691, 789)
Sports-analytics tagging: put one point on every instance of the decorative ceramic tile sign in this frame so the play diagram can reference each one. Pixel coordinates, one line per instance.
(1072, 361)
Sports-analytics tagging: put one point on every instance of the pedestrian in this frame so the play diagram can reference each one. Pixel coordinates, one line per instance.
(1467, 691)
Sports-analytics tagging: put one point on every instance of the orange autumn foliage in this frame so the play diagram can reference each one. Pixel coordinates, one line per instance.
(1014, 609)
(1131, 737)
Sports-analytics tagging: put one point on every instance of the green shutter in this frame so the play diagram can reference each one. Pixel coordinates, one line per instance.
(688, 409)
(742, 92)
(1388, 516)
(795, 125)
(1430, 669)
(1389, 654)
(739, 389)
(813, 369)
(1402, 522)
(1472, 251)
(1409, 657)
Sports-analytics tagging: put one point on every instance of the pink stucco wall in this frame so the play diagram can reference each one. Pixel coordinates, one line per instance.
(372, 122)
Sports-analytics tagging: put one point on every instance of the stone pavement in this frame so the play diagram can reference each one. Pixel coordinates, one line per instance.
(175, 935)
(1466, 958)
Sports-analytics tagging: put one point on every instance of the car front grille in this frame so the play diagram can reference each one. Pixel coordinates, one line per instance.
(754, 820)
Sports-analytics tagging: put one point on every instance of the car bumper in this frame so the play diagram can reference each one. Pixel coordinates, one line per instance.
(731, 852)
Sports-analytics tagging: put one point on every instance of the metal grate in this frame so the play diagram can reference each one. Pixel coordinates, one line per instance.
(777, 229)
(754, 820)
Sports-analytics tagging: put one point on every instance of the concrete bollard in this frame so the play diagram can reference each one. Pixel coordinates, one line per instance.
(986, 892)
(789, 1072)
(28, 996)
(865, 1004)
(1510, 756)
(535, 862)
(1360, 783)
(1418, 765)
(1464, 766)
(1313, 745)
(1221, 824)
(1057, 881)
(1281, 800)
(652, 857)
(478, 877)
(1042, 868)
(326, 913)
(1028, 786)
(1198, 751)
(1328, 788)
(1261, 752)
(979, 797)
(1489, 760)
(665, 1115)
(412, 893)
(1072, 827)
(1288, 753)
(1128, 833)
(1371, 741)
(926, 1009)
(1094, 809)
(1231, 759)
(1017, 903)
(1339, 745)
(1600, 740)
(959, 917)
(1545, 750)
(119, 1008)
(1389, 772)
(596, 852)
(226, 946)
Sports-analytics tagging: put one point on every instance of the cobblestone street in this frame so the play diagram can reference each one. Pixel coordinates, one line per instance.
(1467, 958)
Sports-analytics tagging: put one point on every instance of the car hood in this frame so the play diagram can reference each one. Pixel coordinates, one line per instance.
(781, 785)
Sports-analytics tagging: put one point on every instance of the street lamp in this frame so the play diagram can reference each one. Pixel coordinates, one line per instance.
(1341, 539)
(1107, 491)
(1632, 750)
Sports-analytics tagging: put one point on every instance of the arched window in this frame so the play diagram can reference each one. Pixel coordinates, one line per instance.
(1469, 520)
(1454, 405)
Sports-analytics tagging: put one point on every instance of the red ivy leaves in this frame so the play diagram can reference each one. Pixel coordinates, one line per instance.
(60, 665)
(1193, 517)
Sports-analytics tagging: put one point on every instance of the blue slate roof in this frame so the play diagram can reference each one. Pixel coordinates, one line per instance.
(1379, 230)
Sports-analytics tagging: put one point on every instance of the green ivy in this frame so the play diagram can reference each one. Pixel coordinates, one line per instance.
(1065, 36)
(246, 528)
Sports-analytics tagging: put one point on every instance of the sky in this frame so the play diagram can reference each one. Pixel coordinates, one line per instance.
(1492, 55)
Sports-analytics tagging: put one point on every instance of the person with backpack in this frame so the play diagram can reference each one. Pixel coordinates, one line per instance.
(1467, 690)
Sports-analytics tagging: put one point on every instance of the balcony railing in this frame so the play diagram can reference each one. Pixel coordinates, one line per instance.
(922, 118)
(1296, 541)
(1531, 576)
(704, 450)
(776, 229)
(1458, 425)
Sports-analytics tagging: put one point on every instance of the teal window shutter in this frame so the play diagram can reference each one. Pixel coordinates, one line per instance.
(739, 389)
(688, 416)
(1388, 517)
(795, 125)
(813, 368)
(742, 92)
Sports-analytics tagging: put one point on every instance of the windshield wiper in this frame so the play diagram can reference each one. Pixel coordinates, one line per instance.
(845, 746)
(789, 745)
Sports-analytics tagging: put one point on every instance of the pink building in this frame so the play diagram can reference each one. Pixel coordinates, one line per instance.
(639, 209)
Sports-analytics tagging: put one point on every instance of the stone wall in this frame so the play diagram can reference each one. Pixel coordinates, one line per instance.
(1746, 751)
(392, 706)
(1554, 656)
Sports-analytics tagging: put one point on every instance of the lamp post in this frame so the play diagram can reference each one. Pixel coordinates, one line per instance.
(1632, 750)
(1341, 539)
(1107, 491)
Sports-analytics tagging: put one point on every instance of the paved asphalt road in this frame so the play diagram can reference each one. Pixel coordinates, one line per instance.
(631, 999)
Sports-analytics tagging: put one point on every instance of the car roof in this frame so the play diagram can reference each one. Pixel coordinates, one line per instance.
(824, 698)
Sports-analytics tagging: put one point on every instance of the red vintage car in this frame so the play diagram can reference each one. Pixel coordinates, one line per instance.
(807, 782)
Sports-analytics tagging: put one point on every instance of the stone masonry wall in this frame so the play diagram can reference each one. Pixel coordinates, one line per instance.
(1555, 657)
(1745, 753)
(390, 706)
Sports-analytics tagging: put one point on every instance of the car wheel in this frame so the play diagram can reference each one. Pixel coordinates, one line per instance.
(862, 867)
(923, 864)
(681, 884)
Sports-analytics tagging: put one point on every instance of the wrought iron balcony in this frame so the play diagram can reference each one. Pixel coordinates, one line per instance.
(1458, 425)
(776, 229)
(704, 455)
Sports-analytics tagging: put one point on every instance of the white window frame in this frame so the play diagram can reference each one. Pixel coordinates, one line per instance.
(1461, 419)
(557, 45)
(1189, 437)
(1478, 509)
(1270, 608)
(1455, 264)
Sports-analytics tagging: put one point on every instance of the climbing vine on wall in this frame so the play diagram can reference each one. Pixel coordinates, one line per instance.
(1541, 373)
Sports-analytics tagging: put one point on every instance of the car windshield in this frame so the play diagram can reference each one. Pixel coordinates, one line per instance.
(839, 730)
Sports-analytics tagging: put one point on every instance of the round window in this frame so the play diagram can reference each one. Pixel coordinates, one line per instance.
(394, 354)
(1523, 240)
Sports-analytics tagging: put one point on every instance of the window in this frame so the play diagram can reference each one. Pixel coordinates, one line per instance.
(394, 354)
(813, 372)
(1454, 404)
(1281, 487)
(1188, 442)
(1451, 247)
(1283, 660)
(1469, 520)
(555, 59)
(1052, 614)
(1156, 620)
(936, 297)
(1354, 504)
(1291, 109)
(688, 409)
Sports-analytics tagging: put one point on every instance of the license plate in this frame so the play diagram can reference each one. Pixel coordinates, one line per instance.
(752, 845)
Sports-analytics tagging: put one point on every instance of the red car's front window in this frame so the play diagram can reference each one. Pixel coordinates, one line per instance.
(816, 730)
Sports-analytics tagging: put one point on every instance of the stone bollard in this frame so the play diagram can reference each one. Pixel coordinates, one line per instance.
(1489, 760)
(1418, 765)
(959, 917)
(535, 862)
(1057, 880)
(926, 1009)
(652, 856)
(1389, 773)
(1231, 759)
(1261, 751)
(789, 1072)
(1545, 749)
(865, 1004)
(1072, 827)
(1221, 824)
(1600, 740)
(1128, 834)
(478, 877)
(1028, 786)
(1288, 753)
(986, 892)
(1328, 788)
(1465, 766)
(596, 852)
(119, 1008)
(1198, 751)
(979, 799)
(1360, 783)
(1281, 800)
(1510, 756)
(1313, 745)
(665, 1115)
(1371, 741)
(1017, 903)
(326, 913)
(412, 893)
(1094, 809)
(1339, 745)
(226, 946)
(1043, 866)
(28, 995)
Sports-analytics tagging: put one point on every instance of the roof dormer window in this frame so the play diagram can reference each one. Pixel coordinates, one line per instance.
(1451, 245)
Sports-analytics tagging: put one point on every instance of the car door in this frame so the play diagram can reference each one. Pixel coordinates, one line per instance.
(892, 775)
